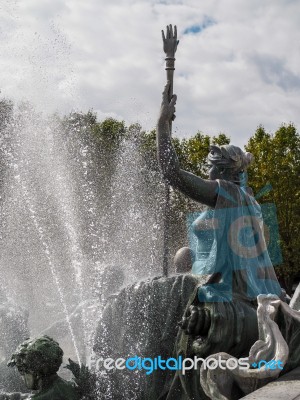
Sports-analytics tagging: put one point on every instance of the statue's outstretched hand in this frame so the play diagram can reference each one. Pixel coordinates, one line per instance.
(170, 40)
(167, 111)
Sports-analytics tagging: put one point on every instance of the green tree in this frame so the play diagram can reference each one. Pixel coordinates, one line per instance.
(277, 162)
(194, 152)
(109, 133)
(95, 146)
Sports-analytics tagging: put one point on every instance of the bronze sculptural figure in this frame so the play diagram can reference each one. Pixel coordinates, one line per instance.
(228, 165)
(222, 314)
(38, 361)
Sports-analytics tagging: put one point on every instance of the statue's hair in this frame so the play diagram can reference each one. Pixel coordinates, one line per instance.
(229, 156)
(42, 356)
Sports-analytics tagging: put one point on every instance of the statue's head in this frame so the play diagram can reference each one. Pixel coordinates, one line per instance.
(36, 359)
(228, 162)
(183, 260)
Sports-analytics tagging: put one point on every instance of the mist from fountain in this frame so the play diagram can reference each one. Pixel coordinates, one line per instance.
(58, 238)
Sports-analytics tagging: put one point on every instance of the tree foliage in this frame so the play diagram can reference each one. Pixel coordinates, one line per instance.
(277, 162)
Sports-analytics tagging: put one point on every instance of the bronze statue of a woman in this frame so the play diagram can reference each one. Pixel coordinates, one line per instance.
(226, 191)
(234, 253)
(221, 316)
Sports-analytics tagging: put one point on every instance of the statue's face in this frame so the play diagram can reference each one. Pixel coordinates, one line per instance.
(215, 173)
(31, 381)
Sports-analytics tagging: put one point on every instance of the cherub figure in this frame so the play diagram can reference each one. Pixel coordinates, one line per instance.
(38, 361)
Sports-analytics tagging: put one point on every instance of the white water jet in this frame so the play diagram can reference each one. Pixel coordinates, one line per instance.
(58, 239)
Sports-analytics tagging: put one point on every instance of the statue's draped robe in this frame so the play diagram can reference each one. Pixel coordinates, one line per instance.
(238, 251)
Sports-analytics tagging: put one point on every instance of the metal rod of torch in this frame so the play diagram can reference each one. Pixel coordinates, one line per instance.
(170, 68)
(166, 231)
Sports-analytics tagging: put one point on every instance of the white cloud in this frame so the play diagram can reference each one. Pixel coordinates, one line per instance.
(238, 73)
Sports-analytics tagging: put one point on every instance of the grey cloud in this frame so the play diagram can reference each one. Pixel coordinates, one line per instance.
(273, 71)
(45, 9)
(168, 2)
(108, 56)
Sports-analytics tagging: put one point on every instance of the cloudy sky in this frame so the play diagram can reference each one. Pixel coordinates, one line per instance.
(238, 61)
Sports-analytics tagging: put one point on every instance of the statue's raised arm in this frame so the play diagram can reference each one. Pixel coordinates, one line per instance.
(204, 191)
(227, 163)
